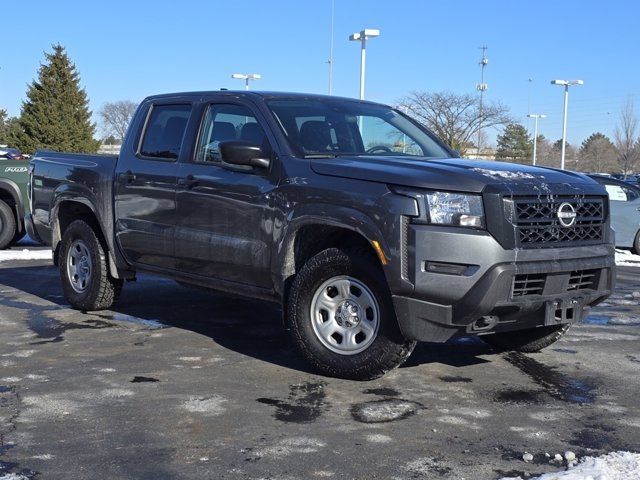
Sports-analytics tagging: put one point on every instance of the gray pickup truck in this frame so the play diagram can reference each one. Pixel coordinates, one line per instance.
(360, 222)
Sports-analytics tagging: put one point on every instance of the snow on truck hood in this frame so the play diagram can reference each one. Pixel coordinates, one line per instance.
(448, 174)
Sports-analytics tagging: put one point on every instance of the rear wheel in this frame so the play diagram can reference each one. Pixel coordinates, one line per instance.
(636, 244)
(86, 281)
(341, 316)
(528, 341)
(8, 227)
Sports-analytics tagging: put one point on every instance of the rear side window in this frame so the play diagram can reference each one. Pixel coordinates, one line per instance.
(164, 131)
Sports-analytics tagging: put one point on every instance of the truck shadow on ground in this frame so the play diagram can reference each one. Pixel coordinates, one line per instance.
(249, 327)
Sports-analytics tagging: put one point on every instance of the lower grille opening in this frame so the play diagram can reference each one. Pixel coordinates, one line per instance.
(583, 279)
(528, 284)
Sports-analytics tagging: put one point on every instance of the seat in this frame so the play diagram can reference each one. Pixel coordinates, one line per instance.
(172, 135)
(252, 133)
(315, 136)
(222, 132)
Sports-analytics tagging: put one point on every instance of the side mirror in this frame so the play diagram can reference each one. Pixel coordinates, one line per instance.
(243, 153)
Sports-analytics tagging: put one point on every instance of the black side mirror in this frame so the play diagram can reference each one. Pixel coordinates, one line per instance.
(243, 153)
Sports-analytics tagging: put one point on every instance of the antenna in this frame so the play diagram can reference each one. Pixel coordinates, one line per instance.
(330, 61)
(481, 87)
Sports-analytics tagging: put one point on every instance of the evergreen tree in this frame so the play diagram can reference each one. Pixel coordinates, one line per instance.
(514, 144)
(597, 154)
(56, 113)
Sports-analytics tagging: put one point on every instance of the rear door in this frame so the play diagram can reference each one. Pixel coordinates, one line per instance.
(225, 219)
(145, 187)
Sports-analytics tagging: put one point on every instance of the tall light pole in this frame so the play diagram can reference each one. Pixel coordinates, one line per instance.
(566, 84)
(535, 116)
(330, 61)
(246, 77)
(482, 87)
(362, 37)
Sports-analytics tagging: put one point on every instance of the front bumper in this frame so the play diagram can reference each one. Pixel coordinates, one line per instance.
(465, 282)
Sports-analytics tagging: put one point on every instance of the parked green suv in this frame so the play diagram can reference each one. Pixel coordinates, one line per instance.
(14, 177)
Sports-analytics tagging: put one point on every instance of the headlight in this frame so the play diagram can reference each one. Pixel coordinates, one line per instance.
(457, 209)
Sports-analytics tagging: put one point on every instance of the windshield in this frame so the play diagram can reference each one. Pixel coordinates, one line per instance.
(328, 128)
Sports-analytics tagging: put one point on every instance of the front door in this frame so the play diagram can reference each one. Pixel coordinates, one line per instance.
(145, 188)
(224, 225)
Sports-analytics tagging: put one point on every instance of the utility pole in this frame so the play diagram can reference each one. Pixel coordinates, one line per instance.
(482, 87)
(535, 116)
(330, 61)
(362, 37)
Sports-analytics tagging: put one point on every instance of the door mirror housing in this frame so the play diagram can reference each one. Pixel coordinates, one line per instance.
(243, 154)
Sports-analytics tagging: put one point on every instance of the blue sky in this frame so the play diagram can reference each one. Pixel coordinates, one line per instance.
(128, 50)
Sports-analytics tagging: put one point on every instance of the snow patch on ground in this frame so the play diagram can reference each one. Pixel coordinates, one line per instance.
(150, 324)
(212, 406)
(613, 466)
(20, 354)
(13, 476)
(625, 258)
(378, 438)
(385, 410)
(290, 446)
(25, 254)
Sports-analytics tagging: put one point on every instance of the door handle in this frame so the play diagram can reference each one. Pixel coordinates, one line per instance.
(188, 182)
(127, 176)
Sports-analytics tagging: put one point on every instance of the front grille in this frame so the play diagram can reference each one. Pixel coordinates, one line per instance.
(583, 279)
(537, 222)
(528, 284)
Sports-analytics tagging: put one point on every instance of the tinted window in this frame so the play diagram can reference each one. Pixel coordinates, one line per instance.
(223, 123)
(164, 132)
(329, 127)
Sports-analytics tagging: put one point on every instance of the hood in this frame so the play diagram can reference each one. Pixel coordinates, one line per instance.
(448, 174)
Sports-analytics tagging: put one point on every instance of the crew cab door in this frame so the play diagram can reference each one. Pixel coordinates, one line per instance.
(145, 187)
(224, 227)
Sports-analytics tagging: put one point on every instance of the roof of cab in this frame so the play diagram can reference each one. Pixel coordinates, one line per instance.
(267, 95)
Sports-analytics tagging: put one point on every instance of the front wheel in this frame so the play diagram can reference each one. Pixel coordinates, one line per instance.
(530, 340)
(86, 281)
(342, 319)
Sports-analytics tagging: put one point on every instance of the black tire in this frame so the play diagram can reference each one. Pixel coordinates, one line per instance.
(527, 341)
(636, 244)
(388, 348)
(8, 226)
(101, 289)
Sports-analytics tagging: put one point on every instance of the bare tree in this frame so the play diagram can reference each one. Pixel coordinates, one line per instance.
(455, 118)
(116, 117)
(626, 138)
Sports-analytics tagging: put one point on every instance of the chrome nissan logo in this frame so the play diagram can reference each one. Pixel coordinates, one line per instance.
(566, 214)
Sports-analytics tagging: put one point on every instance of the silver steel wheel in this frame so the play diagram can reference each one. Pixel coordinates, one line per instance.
(345, 315)
(79, 266)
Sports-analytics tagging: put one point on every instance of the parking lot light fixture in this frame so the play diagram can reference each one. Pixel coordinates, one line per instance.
(246, 77)
(362, 37)
(536, 116)
(566, 84)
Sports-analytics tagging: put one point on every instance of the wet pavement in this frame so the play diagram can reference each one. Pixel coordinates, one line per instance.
(180, 383)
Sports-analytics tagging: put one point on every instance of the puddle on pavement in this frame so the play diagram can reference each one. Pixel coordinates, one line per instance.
(556, 384)
(597, 320)
(522, 396)
(52, 330)
(139, 379)
(382, 391)
(455, 379)
(384, 411)
(305, 403)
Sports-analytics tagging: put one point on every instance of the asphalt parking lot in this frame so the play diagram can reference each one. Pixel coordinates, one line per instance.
(180, 383)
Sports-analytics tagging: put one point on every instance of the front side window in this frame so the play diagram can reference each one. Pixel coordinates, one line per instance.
(331, 128)
(164, 131)
(226, 122)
